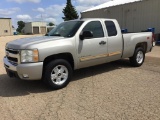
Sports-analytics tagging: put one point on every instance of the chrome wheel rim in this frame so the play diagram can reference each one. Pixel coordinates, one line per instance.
(59, 74)
(139, 57)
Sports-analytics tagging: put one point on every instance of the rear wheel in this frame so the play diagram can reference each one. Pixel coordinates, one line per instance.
(138, 58)
(58, 73)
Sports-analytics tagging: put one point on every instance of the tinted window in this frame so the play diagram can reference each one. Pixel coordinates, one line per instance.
(96, 28)
(111, 28)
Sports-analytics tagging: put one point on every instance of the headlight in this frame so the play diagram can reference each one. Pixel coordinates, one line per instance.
(29, 56)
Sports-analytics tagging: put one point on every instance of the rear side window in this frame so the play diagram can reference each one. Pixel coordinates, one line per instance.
(96, 28)
(111, 28)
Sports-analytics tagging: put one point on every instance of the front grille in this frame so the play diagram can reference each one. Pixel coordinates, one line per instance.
(13, 56)
(12, 51)
(13, 59)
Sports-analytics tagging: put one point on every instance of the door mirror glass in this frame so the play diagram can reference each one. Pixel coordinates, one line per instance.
(86, 34)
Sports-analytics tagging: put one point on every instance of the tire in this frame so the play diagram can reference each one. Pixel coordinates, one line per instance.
(138, 58)
(58, 74)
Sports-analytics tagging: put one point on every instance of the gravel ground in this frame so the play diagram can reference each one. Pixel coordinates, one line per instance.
(113, 91)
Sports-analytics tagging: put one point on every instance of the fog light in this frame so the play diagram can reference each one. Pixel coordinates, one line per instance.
(25, 76)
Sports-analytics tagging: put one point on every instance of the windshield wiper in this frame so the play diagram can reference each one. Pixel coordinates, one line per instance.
(55, 35)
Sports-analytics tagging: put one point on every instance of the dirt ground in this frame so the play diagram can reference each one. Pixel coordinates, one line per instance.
(113, 91)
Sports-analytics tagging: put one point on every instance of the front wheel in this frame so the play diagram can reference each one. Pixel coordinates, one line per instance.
(138, 58)
(58, 73)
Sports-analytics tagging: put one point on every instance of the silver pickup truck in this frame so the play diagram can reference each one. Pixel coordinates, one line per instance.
(73, 45)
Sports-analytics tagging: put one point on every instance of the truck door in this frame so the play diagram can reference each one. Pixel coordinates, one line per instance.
(92, 51)
(115, 41)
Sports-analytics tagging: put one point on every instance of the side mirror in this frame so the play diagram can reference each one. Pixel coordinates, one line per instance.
(86, 34)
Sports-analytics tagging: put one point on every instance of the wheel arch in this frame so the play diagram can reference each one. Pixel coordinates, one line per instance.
(142, 45)
(66, 56)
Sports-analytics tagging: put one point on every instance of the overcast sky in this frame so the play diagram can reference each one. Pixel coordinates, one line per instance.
(38, 10)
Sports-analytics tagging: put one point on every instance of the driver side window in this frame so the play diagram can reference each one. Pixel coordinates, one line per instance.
(96, 28)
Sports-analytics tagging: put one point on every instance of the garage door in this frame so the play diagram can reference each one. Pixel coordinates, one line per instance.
(43, 30)
(35, 30)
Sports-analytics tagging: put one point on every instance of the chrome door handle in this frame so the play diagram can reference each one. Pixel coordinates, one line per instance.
(102, 43)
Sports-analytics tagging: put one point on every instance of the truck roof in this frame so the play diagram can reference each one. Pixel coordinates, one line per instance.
(84, 19)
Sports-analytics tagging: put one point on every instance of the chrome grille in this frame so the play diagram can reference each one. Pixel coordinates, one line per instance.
(13, 56)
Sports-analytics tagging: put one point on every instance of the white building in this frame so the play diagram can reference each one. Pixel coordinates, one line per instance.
(35, 28)
(6, 27)
(134, 15)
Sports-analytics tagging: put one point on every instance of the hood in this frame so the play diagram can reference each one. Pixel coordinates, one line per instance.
(24, 42)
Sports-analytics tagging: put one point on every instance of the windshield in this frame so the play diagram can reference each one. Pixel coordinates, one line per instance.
(66, 29)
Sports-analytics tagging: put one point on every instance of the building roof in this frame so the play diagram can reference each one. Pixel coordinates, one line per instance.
(5, 18)
(37, 22)
(111, 3)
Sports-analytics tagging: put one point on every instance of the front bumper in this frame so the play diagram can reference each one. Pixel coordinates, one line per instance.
(33, 70)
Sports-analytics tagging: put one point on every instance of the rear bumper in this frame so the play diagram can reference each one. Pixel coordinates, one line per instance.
(32, 70)
(154, 43)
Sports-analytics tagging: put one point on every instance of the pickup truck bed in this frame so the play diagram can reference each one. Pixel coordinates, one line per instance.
(130, 41)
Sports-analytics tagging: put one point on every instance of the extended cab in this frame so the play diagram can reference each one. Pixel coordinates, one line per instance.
(73, 45)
